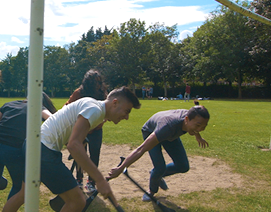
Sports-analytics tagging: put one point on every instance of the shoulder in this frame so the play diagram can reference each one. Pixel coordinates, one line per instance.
(75, 96)
(88, 102)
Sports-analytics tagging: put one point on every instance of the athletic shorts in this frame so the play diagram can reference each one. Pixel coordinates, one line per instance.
(54, 173)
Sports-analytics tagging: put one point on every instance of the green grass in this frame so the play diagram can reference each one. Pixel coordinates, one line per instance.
(235, 132)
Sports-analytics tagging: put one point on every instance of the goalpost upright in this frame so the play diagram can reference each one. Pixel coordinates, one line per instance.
(35, 86)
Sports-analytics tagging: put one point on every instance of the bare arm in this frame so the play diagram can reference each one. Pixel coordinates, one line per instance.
(1, 115)
(78, 152)
(147, 145)
(46, 114)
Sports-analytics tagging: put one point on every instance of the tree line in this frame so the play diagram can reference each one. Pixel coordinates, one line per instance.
(228, 47)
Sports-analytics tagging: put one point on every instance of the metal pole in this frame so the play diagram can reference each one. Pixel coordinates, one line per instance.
(245, 12)
(35, 86)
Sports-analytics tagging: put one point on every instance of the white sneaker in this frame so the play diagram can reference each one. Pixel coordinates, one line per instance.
(146, 198)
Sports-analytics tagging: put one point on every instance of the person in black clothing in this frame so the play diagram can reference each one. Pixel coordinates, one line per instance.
(12, 135)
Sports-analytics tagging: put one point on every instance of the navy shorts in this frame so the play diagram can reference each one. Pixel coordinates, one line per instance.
(13, 159)
(54, 173)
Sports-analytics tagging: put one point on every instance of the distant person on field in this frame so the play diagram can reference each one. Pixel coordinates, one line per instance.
(164, 129)
(187, 92)
(150, 93)
(143, 92)
(180, 96)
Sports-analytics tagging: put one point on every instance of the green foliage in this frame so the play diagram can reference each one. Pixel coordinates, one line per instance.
(220, 46)
(260, 42)
(227, 46)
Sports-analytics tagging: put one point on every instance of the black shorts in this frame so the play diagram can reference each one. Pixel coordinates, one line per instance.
(54, 173)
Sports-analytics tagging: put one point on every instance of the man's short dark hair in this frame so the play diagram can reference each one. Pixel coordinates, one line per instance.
(126, 93)
(198, 110)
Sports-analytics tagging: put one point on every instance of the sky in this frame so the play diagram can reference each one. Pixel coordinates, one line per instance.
(65, 21)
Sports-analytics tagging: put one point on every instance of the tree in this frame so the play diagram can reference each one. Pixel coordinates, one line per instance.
(260, 48)
(56, 64)
(160, 37)
(6, 72)
(220, 47)
(175, 66)
(20, 67)
(128, 50)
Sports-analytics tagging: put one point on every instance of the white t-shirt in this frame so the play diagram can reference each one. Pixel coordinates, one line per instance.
(56, 130)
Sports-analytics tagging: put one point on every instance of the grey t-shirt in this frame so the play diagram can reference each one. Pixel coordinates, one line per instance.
(167, 125)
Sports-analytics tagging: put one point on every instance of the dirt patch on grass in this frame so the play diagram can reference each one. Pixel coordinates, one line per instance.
(204, 174)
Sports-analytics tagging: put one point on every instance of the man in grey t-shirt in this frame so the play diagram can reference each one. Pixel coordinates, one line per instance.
(164, 129)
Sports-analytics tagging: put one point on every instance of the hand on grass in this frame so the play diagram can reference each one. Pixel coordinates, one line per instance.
(202, 143)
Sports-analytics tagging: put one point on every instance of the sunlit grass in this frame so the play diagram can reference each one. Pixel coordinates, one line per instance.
(235, 132)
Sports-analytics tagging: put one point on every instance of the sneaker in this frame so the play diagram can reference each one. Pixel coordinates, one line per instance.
(146, 198)
(163, 185)
(90, 188)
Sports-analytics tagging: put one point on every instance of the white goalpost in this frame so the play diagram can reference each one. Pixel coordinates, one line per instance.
(34, 106)
(245, 12)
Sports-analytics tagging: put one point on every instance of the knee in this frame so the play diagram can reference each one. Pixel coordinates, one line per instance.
(74, 201)
(81, 204)
(184, 168)
(77, 204)
(159, 171)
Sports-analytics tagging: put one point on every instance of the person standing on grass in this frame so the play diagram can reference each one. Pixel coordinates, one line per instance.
(164, 129)
(92, 86)
(187, 92)
(12, 136)
(143, 92)
(69, 126)
(150, 92)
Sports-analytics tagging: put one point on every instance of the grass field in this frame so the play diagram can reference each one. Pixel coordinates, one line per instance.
(236, 133)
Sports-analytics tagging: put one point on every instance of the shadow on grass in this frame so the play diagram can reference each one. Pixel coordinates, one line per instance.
(98, 204)
(168, 204)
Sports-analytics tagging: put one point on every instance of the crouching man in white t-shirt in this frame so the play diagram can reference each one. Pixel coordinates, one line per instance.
(70, 126)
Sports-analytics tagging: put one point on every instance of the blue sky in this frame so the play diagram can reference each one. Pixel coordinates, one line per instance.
(66, 20)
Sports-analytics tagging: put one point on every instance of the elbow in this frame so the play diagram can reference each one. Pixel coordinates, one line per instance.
(71, 147)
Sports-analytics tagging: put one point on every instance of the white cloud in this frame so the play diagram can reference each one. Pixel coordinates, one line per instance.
(4, 49)
(185, 33)
(110, 13)
(14, 15)
(17, 40)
